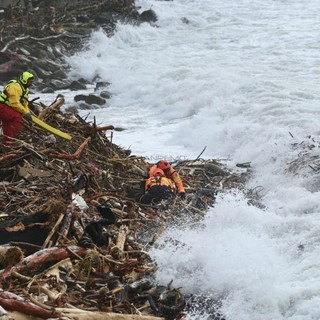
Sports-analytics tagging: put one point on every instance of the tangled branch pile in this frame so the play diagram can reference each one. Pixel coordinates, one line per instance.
(38, 35)
(74, 237)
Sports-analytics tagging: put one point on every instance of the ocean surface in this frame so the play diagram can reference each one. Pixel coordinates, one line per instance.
(241, 78)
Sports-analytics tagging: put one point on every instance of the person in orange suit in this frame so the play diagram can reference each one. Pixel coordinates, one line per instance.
(14, 106)
(157, 187)
(170, 173)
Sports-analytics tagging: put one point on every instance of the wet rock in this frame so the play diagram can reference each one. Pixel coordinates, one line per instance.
(85, 106)
(77, 85)
(101, 85)
(42, 73)
(59, 84)
(148, 16)
(47, 90)
(60, 74)
(49, 65)
(105, 94)
(90, 99)
(104, 18)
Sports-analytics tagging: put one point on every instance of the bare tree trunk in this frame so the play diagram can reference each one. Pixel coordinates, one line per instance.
(44, 256)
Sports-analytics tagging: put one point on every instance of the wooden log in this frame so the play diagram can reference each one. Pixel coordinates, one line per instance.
(9, 256)
(43, 256)
(53, 108)
(13, 302)
(79, 314)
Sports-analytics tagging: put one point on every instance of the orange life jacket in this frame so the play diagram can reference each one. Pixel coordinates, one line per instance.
(159, 181)
(170, 173)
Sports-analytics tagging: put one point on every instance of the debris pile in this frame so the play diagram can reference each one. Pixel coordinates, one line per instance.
(74, 237)
(307, 162)
(39, 35)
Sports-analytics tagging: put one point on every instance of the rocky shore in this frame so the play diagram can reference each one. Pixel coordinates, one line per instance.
(39, 37)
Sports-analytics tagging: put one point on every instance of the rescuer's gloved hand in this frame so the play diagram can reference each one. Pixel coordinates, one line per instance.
(182, 195)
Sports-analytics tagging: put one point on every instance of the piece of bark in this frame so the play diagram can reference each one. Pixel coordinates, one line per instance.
(122, 235)
(43, 256)
(118, 250)
(74, 156)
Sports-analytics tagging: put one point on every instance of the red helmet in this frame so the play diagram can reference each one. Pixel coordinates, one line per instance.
(159, 172)
(163, 164)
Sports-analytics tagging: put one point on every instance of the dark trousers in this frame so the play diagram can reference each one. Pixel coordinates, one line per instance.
(156, 194)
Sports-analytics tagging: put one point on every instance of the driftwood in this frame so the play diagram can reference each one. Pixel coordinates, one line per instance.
(118, 250)
(66, 223)
(42, 257)
(78, 220)
(11, 301)
(73, 156)
(10, 156)
(54, 108)
(53, 230)
(29, 24)
(85, 315)
(18, 39)
(104, 128)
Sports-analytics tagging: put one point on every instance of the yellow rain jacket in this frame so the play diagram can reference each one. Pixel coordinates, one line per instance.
(16, 97)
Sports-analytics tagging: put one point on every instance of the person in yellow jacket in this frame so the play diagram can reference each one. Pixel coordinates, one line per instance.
(157, 188)
(170, 173)
(14, 106)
